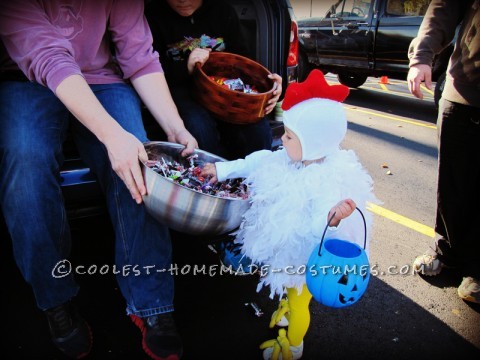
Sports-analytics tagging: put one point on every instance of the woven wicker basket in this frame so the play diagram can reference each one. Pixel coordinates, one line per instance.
(230, 105)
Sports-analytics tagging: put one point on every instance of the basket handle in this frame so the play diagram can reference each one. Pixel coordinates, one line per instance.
(328, 224)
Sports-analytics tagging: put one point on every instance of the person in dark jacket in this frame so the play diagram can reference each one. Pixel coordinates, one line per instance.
(184, 33)
(458, 192)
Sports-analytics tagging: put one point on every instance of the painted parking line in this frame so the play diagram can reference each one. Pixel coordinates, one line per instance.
(423, 87)
(393, 92)
(378, 210)
(371, 84)
(389, 117)
(400, 219)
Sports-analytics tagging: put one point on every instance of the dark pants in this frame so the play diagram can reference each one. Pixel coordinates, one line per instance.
(458, 193)
(228, 140)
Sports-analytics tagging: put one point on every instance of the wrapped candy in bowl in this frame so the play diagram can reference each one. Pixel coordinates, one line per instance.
(178, 196)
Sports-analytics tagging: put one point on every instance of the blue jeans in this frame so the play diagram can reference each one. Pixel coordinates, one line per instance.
(218, 137)
(33, 126)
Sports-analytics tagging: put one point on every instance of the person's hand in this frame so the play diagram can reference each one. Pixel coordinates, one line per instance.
(342, 210)
(125, 151)
(416, 75)
(276, 93)
(185, 138)
(209, 169)
(198, 55)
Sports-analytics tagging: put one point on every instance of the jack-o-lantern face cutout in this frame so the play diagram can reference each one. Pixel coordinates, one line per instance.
(349, 293)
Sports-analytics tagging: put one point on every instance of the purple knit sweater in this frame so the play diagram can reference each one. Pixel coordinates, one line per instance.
(50, 40)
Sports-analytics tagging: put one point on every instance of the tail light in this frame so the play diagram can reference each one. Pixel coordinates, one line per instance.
(292, 59)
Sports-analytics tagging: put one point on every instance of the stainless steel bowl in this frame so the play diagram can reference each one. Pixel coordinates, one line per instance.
(183, 209)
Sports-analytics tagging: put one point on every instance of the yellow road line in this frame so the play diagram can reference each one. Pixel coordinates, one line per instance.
(427, 90)
(392, 117)
(398, 93)
(390, 81)
(384, 87)
(402, 220)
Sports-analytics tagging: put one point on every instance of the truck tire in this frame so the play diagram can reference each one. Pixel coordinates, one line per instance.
(437, 94)
(352, 80)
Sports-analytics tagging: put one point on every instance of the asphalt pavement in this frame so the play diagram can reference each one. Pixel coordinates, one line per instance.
(212, 315)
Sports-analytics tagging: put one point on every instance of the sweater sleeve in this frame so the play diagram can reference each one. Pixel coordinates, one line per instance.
(133, 39)
(240, 168)
(46, 58)
(436, 31)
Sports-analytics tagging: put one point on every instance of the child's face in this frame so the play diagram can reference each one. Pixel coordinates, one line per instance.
(292, 145)
(185, 7)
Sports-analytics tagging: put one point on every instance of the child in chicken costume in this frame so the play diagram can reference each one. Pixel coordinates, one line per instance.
(293, 192)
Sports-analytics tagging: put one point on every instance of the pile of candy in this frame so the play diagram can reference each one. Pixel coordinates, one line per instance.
(234, 84)
(189, 177)
(187, 45)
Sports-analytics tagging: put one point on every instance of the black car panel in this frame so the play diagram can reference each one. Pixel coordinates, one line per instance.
(360, 38)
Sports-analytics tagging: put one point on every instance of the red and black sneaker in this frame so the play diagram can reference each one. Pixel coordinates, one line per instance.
(70, 333)
(160, 339)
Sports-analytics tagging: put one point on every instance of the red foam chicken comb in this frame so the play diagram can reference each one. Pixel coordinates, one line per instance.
(314, 86)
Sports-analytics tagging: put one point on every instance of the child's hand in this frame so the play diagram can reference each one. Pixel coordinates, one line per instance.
(342, 210)
(210, 170)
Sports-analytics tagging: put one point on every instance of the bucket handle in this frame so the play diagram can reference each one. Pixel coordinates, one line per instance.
(328, 224)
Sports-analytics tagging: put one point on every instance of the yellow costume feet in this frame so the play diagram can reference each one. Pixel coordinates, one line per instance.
(280, 316)
(280, 348)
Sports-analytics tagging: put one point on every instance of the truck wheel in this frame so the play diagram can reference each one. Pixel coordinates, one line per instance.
(437, 94)
(352, 80)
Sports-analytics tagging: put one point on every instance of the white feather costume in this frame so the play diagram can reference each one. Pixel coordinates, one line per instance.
(289, 208)
(290, 202)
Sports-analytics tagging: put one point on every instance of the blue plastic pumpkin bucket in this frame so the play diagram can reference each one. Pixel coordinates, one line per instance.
(338, 270)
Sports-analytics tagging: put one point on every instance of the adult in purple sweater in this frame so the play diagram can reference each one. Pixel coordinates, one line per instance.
(57, 71)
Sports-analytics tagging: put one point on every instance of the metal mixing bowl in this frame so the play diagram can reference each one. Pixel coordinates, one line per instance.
(183, 209)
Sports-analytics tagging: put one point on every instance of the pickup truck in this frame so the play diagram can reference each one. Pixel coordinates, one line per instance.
(361, 38)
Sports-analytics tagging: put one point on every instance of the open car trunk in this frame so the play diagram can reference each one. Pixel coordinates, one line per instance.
(267, 27)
